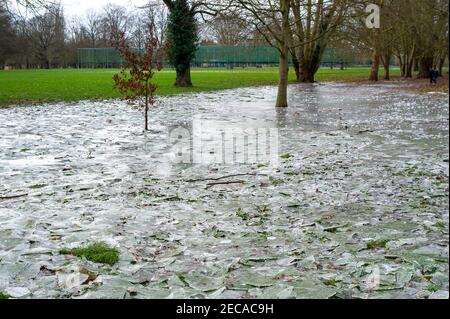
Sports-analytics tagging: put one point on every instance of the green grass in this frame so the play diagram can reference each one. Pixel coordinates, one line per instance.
(38, 86)
(4, 296)
(96, 252)
(242, 214)
(376, 244)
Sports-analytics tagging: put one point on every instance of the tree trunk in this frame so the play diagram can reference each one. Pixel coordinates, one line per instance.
(375, 66)
(441, 66)
(283, 83)
(184, 77)
(401, 65)
(146, 111)
(409, 61)
(409, 69)
(307, 71)
(307, 76)
(415, 65)
(310, 65)
(386, 65)
(296, 65)
(425, 65)
(284, 55)
(387, 75)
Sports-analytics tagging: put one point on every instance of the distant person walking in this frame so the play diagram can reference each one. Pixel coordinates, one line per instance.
(434, 74)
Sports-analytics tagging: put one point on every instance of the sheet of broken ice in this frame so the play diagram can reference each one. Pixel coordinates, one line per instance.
(358, 206)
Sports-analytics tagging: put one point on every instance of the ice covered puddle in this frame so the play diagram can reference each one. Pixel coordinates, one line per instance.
(357, 207)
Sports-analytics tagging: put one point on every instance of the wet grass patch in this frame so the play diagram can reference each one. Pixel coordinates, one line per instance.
(376, 244)
(215, 232)
(275, 182)
(97, 252)
(4, 296)
(441, 225)
(260, 216)
(242, 214)
(333, 282)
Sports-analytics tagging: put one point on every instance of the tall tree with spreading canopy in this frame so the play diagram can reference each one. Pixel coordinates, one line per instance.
(228, 29)
(431, 25)
(314, 25)
(117, 21)
(46, 34)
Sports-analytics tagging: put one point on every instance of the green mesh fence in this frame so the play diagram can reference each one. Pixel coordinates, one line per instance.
(206, 56)
(214, 55)
(99, 58)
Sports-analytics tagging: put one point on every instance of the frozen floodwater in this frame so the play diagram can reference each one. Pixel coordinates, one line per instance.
(358, 208)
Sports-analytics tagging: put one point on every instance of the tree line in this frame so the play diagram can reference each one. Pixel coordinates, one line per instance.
(413, 33)
(46, 38)
(43, 36)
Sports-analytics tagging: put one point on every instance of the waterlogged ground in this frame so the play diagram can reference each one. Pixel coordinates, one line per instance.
(357, 208)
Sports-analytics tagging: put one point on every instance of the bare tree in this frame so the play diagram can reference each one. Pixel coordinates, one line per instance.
(92, 22)
(272, 19)
(431, 23)
(228, 29)
(17, 6)
(156, 13)
(116, 21)
(416, 32)
(391, 38)
(314, 25)
(7, 36)
(46, 32)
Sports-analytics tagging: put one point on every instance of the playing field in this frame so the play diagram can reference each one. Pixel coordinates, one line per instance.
(37, 86)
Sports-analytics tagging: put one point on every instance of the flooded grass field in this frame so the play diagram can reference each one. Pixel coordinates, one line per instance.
(356, 208)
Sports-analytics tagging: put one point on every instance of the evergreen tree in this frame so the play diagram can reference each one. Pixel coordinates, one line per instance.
(182, 39)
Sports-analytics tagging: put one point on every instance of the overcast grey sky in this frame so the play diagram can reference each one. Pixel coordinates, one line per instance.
(78, 7)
